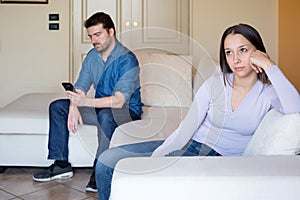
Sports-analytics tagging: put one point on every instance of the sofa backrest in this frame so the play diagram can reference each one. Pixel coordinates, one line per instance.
(166, 79)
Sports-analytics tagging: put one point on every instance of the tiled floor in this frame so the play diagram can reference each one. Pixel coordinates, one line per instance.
(17, 183)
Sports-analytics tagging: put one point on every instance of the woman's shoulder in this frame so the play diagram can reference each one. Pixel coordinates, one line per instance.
(215, 83)
(215, 79)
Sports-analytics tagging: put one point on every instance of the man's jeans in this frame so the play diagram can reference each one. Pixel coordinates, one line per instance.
(108, 159)
(106, 120)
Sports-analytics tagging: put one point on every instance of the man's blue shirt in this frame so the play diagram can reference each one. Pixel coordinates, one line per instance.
(119, 73)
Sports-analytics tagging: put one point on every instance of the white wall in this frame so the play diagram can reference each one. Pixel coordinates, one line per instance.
(212, 17)
(32, 58)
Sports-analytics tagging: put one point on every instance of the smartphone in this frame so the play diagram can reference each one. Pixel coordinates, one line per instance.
(68, 86)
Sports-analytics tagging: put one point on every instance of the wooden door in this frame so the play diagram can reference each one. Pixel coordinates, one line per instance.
(155, 24)
(140, 24)
(81, 44)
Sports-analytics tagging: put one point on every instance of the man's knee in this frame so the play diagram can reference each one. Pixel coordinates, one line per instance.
(60, 104)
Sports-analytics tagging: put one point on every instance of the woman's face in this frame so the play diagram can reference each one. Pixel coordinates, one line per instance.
(237, 51)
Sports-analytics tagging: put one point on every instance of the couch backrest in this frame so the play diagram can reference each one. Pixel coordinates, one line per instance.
(166, 79)
(204, 68)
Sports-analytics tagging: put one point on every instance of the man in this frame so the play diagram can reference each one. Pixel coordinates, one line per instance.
(113, 70)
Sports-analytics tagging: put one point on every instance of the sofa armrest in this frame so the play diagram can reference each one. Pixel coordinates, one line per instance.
(277, 134)
(273, 177)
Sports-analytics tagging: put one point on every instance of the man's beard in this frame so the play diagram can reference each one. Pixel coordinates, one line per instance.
(104, 47)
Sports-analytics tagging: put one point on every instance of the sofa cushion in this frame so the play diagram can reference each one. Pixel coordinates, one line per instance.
(157, 124)
(278, 134)
(163, 113)
(166, 80)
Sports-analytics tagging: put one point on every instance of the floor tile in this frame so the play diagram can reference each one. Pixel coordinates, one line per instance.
(57, 192)
(5, 196)
(17, 184)
(80, 179)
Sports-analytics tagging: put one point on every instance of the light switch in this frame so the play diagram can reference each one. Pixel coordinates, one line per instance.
(53, 17)
(53, 26)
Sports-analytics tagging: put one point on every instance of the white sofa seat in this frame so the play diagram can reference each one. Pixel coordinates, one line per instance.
(166, 90)
(24, 129)
(211, 178)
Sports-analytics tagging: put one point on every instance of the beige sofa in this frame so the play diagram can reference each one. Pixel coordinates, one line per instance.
(167, 92)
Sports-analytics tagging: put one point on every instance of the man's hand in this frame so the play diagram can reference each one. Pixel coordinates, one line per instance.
(78, 98)
(73, 118)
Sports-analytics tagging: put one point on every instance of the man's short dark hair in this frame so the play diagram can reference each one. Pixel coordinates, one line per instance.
(100, 18)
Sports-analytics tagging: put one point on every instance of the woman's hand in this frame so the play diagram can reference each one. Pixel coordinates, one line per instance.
(260, 61)
(73, 118)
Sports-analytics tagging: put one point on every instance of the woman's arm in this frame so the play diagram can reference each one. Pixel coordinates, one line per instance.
(196, 114)
(288, 96)
(289, 100)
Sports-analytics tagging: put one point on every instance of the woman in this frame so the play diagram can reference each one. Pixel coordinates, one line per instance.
(226, 110)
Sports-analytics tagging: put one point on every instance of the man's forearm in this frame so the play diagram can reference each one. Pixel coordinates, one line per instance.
(116, 101)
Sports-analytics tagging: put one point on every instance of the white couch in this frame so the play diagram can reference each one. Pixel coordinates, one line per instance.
(167, 91)
(269, 169)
